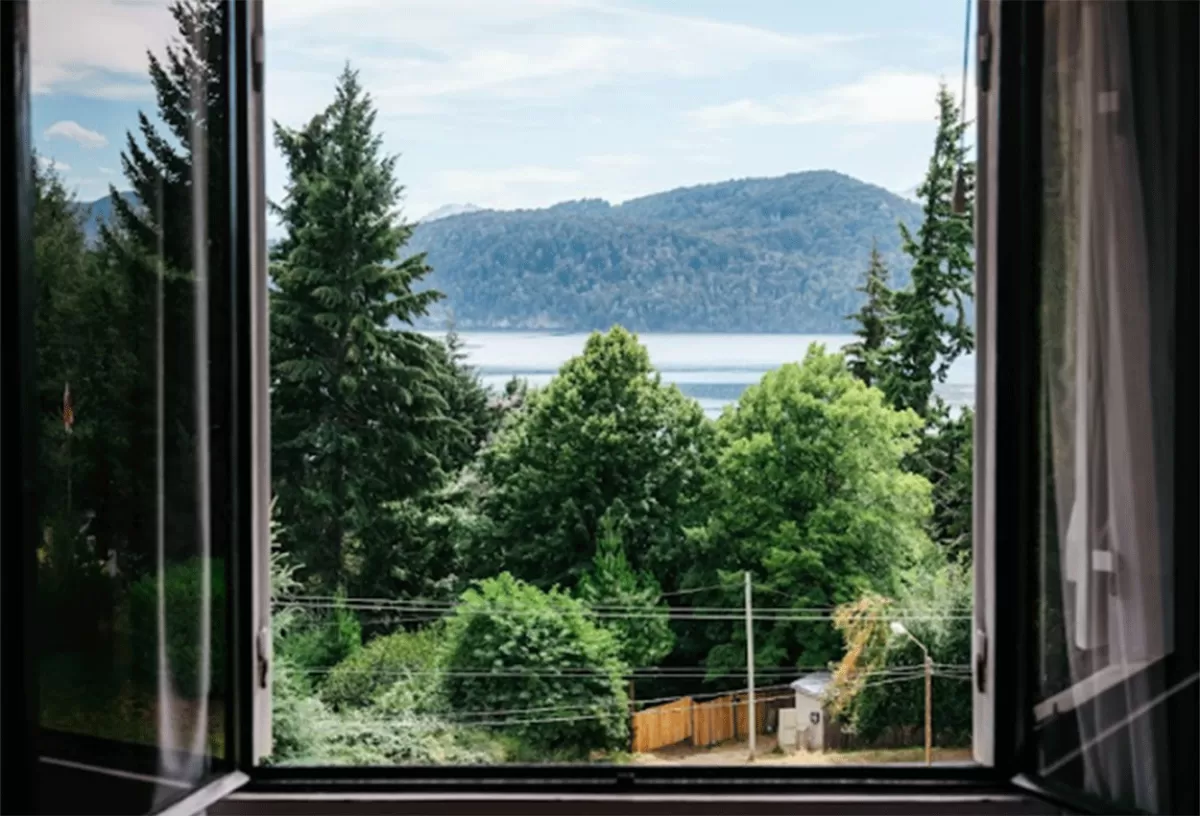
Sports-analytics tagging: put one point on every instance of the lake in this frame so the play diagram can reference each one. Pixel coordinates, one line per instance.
(713, 369)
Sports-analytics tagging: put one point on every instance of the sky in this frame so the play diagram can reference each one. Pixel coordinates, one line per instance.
(523, 103)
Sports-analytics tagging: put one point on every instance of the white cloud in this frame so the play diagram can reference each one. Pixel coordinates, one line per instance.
(508, 187)
(67, 129)
(528, 49)
(53, 164)
(617, 160)
(886, 97)
(95, 47)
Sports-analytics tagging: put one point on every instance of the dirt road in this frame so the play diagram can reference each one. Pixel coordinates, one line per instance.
(737, 753)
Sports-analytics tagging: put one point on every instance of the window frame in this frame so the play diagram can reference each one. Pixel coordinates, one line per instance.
(1006, 472)
(999, 740)
(126, 768)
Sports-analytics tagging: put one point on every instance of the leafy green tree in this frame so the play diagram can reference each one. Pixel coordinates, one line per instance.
(536, 667)
(931, 328)
(605, 429)
(75, 348)
(635, 614)
(879, 682)
(359, 412)
(809, 495)
(415, 657)
(867, 356)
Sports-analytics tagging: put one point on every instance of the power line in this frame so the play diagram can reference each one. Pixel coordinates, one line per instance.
(425, 604)
(670, 613)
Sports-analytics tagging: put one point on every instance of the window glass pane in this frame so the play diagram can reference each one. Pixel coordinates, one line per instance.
(567, 468)
(1110, 150)
(132, 270)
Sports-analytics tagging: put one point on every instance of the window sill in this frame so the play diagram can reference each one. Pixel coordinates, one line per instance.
(1007, 800)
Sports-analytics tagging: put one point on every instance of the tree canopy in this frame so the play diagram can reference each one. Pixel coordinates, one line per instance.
(517, 648)
(808, 493)
(360, 414)
(606, 429)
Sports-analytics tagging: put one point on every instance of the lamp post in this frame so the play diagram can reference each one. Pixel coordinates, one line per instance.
(898, 628)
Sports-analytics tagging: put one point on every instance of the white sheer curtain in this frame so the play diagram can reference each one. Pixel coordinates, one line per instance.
(1106, 260)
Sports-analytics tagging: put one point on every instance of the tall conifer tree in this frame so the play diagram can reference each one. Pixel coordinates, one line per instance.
(930, 325)
(866, 356)
(358, 410)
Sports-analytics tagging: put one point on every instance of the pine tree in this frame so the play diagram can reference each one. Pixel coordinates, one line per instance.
(930, 324)
(159, 221)
(358, 415)
(645, 634)
(147, 253)
(866, 356)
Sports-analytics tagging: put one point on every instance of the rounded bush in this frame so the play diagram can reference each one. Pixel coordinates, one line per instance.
(411, 657)
(182, 591)
(533, 666)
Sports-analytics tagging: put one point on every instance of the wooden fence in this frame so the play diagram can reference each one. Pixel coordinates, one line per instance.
(707, 722)
(662, 725)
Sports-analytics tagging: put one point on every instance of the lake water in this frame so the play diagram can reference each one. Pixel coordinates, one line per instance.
(713, 369)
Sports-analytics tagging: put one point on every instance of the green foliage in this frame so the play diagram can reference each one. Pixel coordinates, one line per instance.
(412, 658)
(931, 328)
(944, 458)
(418, 548)
(359, 410)
(391, 730)
(645, 634)
(183, 593)
(321, 641)
(514, 648)
(606, 429)
(145, 260)
(939, 588)
(809, 495)
(298, 717)
(866, 357)
(468, 402)
(778, 254)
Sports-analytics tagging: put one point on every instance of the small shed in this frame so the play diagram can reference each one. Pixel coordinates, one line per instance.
(811, 714)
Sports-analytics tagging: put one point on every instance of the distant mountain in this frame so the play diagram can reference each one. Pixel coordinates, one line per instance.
(447, 210)
(910, 193)
(100, 211)
(752, 255)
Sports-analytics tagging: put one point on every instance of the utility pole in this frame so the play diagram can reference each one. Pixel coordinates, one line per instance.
(750, 664)
(899, 628)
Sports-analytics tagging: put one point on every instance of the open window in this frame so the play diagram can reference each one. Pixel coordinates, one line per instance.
(138, 604)
(133, 310)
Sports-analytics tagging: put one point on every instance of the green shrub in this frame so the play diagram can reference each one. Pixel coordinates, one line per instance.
(320, 640)
(535, 667)
(390, 731)
(297, 715)
(413, 658)
(182, 597)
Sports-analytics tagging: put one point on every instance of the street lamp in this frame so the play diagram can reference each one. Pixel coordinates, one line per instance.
(899, 628)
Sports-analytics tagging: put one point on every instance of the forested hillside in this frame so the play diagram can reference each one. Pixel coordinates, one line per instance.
(777, 254)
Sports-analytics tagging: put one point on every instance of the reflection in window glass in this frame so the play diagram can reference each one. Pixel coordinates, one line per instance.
(130, 191)
(550, 465)
(1105, 621)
